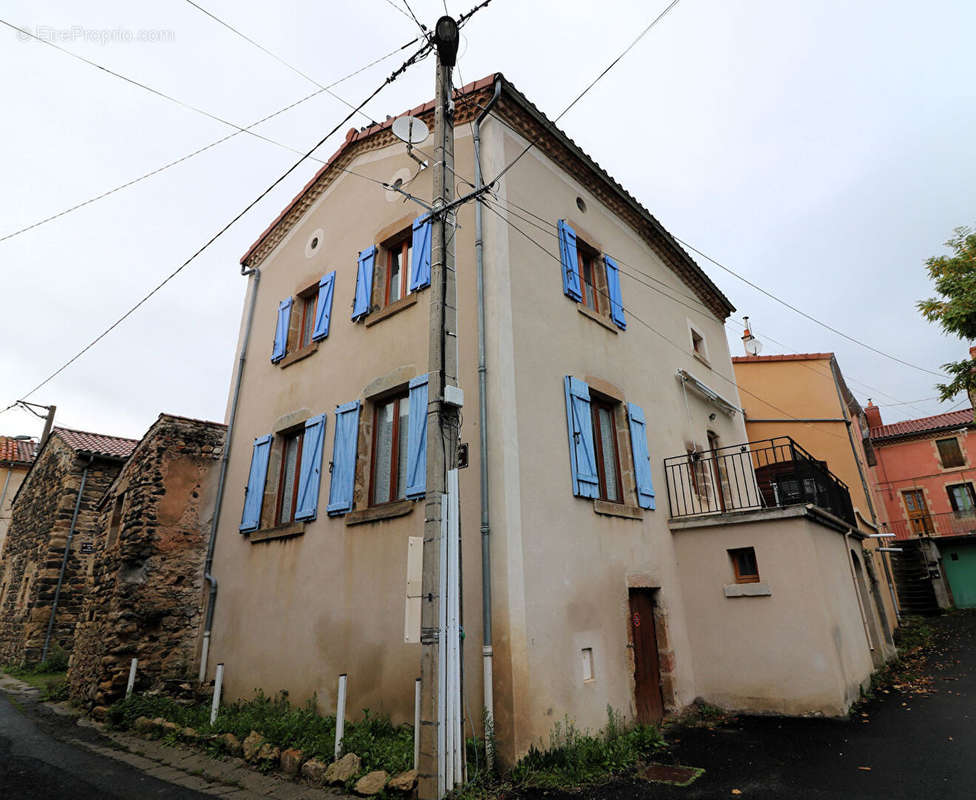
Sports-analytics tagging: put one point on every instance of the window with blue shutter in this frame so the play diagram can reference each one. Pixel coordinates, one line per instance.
(310, 475)
(570, 261)
(323, 307)
(582, 454)
(254, 494)
(343, 466)
(642, 458)
(417, 439)
(420, 275)
(281, 330)
(613, 290)
(364, 283)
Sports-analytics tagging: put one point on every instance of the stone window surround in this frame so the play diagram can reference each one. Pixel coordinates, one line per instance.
(628, 482)
(293, 353)
(396, 380)
(699, 355)
(287, 423)
(960, 440)
(601, 317)
(394, 232)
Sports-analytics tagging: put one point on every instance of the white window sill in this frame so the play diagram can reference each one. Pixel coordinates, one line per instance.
(748, 590)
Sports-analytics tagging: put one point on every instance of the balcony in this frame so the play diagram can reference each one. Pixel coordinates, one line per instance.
(771, 473)
(954, 523)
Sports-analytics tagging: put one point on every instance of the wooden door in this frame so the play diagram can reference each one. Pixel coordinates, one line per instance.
(647, 671)
(918, 512)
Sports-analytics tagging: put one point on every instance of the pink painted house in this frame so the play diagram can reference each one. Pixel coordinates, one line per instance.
(925, 476)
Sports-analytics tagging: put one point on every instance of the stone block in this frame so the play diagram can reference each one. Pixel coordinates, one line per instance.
(314, 771)
(143, 725)
(269, 754)
(342, 770)
(252, 744)
(371, 783)
(99, 713)
(404, 782)
(291, 761)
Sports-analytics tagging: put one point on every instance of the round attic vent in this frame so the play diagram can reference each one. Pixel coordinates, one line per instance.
(580, 204)
(314, 242)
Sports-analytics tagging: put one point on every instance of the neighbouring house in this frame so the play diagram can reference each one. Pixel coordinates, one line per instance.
(804, 396)
(628, 568)
(16, 457)
(146, 587)
(925, 474)
(51, 540)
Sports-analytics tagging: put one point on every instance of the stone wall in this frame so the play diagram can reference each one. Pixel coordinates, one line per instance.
(147, 591)
(34, 550)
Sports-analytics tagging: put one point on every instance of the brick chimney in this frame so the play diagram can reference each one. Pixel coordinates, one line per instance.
(873, 413)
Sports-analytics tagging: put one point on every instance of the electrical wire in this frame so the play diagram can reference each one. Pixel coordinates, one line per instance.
(278, 58)
(423, 28)
(203, 149)
(418, 55)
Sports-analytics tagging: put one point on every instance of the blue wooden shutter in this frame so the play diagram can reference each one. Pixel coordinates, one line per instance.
(582, 454)
(311, 472)
(642, 459)
(323, 307)
(343, 466)
(417, 439)
(613, 289)
(567, 255)
(254, 494)
(420, 276)
(364, 283)
(281, 330)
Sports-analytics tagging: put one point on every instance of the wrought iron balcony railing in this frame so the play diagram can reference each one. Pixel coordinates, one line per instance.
(953, 523)
(764, 474)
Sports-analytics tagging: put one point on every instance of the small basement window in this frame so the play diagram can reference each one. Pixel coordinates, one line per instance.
(744, 565)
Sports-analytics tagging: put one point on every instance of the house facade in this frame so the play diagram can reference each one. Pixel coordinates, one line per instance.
(925, 474)
(145, 590)
(16, 457)
(804, 396)
(51, 540)
(605, 590)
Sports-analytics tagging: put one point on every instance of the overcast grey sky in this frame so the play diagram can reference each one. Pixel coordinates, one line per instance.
(822, 149)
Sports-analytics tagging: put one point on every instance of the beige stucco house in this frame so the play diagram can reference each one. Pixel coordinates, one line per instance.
(604, 355)
(16, 457)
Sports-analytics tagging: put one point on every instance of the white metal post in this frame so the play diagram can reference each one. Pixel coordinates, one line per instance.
(132, 678)
(454, 625)
(340, 715)
(218, 688)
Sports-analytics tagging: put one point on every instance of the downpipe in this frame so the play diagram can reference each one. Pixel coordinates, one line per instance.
(222, 477)
(487, 651)
(64, 558)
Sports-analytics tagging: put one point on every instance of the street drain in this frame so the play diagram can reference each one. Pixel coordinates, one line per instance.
(670, 773)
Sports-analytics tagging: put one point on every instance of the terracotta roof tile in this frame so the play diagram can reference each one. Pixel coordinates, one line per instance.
(96, 443)
(17, 450)
(913, 427)
(786, 357)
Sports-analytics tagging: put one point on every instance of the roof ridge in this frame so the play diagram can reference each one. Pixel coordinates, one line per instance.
(93, 433)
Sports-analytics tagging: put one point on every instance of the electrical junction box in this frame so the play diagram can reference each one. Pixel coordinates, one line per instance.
(454, 396)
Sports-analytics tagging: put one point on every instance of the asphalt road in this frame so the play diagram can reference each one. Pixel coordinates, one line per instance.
(37, 761)
(904, 744)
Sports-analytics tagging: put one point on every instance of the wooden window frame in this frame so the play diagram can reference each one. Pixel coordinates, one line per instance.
(740, 576)
(310, 302)
(286, 436)
(597, 403)
(962, 455)
(952, 500)
(587, 254)
(404, 245)
(396, 398)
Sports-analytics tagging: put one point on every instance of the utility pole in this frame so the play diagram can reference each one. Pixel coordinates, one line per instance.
(48, 419)
(443, 418)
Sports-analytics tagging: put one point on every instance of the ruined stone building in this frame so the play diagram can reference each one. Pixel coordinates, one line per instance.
(16, 457)
(145, 594)
(48, 551)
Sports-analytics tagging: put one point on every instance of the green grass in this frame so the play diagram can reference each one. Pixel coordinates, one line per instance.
(379, 743)
(48, 675)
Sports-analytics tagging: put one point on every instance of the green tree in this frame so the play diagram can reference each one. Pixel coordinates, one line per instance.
(954, 310)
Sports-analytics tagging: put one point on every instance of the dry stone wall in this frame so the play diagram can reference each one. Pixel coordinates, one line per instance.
(34, 549)
(147, 593)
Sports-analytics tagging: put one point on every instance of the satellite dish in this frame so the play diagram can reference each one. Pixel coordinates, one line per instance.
(410, 130)
(753, 347)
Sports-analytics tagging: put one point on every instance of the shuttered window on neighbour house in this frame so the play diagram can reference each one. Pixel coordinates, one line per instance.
(595, 467)
(590, 279)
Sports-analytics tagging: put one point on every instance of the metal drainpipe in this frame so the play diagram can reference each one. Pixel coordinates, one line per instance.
(486, 650)
(64, 559)
(222, 476)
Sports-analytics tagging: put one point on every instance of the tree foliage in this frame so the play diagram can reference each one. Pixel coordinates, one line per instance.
(954, 310)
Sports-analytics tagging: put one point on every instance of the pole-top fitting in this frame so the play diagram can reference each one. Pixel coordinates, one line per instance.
(447, 37)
